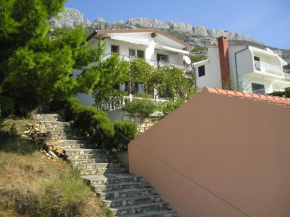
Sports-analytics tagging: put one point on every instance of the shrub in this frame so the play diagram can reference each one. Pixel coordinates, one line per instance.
(125, 131)
(144, 106)
(64, 196)
(90, 120)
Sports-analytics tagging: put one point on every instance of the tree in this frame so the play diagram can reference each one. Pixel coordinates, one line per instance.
(35, 69)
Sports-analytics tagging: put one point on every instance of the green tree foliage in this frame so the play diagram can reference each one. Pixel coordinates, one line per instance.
(35, 69)
(140, 72)
(143, 106)
(125, 131)
(113, 71)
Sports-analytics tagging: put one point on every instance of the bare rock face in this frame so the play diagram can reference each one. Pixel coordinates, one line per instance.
(70, 18)
(199, 30)
(145, 22)
(196, 35)
(180, 27)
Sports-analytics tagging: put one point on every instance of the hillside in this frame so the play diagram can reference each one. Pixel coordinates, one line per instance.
(197, 36)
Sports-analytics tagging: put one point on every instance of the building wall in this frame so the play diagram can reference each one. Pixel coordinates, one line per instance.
(237, 149)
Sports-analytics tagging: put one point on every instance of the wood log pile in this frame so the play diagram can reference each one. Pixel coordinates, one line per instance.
(50, 148)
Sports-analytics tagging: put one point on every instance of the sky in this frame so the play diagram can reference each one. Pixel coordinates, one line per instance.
(267, 21)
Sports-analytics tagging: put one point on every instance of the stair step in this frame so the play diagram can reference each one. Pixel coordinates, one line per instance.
(161, 213)
(83, 151)
(112, 178)
(92, 160)
(122, 185)
(101, 171)
(125, 193)
(100, 165)
(158, 213)
(91, 156)
(132, 200)
(139, 208)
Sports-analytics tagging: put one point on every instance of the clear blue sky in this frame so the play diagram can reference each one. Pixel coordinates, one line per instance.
(264, 20)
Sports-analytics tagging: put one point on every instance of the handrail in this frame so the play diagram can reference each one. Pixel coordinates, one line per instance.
(119, 102)
(268, 68)
(156, 63)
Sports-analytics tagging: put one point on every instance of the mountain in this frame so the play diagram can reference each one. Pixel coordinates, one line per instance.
(197, 36)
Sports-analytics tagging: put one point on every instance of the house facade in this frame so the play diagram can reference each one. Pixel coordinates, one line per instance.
(248, 68)
(156, 47)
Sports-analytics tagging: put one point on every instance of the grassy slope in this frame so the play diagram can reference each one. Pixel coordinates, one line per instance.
(25, 173)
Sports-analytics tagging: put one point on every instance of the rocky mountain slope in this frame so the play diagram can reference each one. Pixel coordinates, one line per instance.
(197, 36)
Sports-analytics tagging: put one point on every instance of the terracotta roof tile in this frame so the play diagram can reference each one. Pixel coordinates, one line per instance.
(258, 97)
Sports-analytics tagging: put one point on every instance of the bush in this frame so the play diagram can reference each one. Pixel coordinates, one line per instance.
(125, 131)
(65, 196)
(144, 106)
(90, 120)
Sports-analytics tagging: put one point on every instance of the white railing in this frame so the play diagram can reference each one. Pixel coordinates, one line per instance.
(268, 68)
(286, 76)
(120, 102)
(154, 63)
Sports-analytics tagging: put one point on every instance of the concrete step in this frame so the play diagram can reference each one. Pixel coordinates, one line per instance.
(48, 117)
(132, 200)
(102, 171)
(161, 213)
(126, 193)
(82, 151)
(112, 178)
(92, 160)
(91, 156)
(139, 208)
(99, 165)
(121, 185)
(75, 144)
(158, 213)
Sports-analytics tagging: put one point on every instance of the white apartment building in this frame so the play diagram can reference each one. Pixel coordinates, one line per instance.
(156, 47)
(253, 69)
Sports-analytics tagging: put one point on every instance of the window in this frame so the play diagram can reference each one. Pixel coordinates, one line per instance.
(201, 71)
(257, 63)
(258, 88)
(161, 57)
(132, 53)
(140, 54)
(114, 49)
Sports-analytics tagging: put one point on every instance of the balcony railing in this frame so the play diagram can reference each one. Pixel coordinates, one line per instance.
(268, 68)
(287, 76)
(120, 102)
(154, 63)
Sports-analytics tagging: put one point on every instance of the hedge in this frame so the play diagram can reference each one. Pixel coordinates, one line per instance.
(95, 124)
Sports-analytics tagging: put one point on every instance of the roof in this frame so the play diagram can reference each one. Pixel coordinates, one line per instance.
(104, 33)
(257, 97)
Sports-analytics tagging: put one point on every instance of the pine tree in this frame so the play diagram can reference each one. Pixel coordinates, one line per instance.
(36, 69)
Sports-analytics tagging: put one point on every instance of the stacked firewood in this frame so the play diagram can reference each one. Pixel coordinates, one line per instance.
(50, 148)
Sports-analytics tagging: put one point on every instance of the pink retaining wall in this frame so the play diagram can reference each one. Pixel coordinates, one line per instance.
(235, 148)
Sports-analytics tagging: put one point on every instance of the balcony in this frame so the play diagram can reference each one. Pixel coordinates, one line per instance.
(268, 69)
(120, 102)
(154, 63)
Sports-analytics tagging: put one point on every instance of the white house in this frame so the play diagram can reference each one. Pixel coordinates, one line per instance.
(156, 47)
(253, 69)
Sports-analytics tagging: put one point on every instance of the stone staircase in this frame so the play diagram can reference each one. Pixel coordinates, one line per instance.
(126, 195)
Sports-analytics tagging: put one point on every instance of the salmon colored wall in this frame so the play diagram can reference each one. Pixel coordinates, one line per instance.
(239, 149)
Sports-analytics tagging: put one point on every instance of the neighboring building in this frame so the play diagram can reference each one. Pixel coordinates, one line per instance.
(156, 47)
(222, 154)
(251, 69)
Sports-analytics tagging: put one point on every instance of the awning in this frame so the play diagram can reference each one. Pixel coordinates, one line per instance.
(175, 50)
(130, 40)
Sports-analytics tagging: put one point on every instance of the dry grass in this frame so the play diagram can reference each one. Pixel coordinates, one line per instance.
(25, 172)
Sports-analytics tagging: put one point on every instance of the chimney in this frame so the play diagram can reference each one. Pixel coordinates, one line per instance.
(224, 59)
